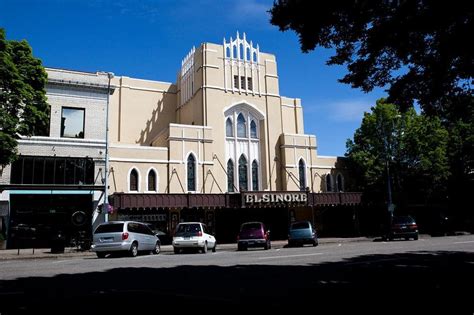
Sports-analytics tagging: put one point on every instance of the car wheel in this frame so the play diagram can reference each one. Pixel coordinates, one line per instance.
(204, 248)
(101, 254)
(133, 250)
(157, 249)
(214, 248)
(315, 243)
(416, 238)
(176, 250)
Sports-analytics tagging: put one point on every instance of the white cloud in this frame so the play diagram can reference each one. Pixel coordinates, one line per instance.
(348, 110)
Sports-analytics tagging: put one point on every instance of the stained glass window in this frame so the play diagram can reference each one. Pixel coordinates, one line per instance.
(243, 178)
(191, 173)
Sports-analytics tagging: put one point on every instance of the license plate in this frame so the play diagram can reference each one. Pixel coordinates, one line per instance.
(187, 237)
(107, 239)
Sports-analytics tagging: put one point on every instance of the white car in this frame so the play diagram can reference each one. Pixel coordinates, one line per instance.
(193, 235)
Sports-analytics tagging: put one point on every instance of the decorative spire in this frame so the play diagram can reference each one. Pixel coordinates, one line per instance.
(250, 53)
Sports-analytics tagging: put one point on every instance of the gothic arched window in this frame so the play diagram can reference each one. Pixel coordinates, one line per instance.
(254, 175)
(134, 180)
(229, 128)
(243, 178)
(328, 182)
(253, 130)
(241, 126)
(151, 180)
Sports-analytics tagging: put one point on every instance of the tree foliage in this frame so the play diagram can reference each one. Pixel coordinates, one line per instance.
(413, 147)
(420, 49)
(23, 106)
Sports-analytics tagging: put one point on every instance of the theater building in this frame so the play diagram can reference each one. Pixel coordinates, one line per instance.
(220, 145)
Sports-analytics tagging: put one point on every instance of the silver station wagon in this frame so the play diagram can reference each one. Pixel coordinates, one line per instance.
(124, 236)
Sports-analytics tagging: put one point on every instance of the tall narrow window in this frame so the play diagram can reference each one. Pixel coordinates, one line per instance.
(236, 81)
(243, 178)
(254, 175)
(151, 180)
(340, 182)
(230, 176)
(241, 126)
(253, 129)
(242, 83)
(302, 172)
(229, 128)
(328, 182)
(191, 173)
(249, 84)
(134, 180)
(72, 122)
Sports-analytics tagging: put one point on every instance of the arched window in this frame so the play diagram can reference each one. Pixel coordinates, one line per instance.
(340, 182)
(241, 126)
(328, 182)
(134, 180)
(254, 175)
(229, 128)
(151, 180)
(243, 178)
(302, 172)
(191, 173)
(253, 129)
(230, 176)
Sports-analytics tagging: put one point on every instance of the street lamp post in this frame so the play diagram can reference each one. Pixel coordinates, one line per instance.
(390, 205)
(105, 208)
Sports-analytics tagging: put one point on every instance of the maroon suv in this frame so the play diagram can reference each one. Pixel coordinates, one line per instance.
(253, 234)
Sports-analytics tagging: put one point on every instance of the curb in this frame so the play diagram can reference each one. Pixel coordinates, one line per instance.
(46, 254)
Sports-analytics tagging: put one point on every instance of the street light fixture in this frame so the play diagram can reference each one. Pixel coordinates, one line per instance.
(105, 208)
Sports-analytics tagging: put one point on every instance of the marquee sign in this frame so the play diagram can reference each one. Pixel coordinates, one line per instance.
(259, 198)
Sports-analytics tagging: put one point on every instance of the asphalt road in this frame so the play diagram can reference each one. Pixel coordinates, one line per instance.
(432, 273)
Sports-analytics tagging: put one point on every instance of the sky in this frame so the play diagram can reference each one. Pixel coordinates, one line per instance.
(147, 39)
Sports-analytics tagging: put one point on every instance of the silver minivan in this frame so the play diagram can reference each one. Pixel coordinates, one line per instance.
(124, 236)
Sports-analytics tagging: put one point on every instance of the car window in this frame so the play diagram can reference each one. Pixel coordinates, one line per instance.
(188, 228)
(109, 228)
(403, 220)
(300, 225)
(251, 226)
(133, 227)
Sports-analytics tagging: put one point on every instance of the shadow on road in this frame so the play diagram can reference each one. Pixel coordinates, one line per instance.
(431, 280)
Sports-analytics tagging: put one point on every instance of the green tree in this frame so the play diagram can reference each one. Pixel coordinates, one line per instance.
(412, 147)
(418, 48)
(23, 106)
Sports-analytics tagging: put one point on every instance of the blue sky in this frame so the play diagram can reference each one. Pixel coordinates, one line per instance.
(148, 39)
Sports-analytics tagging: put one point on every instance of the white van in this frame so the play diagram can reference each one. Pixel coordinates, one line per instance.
(124, 236)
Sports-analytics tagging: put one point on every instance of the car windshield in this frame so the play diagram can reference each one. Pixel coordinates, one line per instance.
(300, 225)
(251, 226)
(109, 228)
(403, 220)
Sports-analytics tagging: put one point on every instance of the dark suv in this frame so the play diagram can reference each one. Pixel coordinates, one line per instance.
(403, 227)
(253, 234)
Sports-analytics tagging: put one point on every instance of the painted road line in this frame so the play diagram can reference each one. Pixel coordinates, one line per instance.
(290, 256)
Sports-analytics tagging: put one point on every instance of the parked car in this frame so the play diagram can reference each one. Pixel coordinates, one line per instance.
(124, 236)
(253, 234)
(165, 238)
(302, 232)
(193, 235)
(403, 227)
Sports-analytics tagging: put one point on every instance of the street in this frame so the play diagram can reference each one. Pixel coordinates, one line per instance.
(430, 268)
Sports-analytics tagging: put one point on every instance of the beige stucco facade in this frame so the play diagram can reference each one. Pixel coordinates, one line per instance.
(157, 126)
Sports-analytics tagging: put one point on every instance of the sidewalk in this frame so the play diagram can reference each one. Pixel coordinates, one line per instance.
(70, 252)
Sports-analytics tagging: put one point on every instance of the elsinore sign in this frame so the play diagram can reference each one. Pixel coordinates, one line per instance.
(274, 198)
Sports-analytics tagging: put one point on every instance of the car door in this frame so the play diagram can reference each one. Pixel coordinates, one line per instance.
(211, 240)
